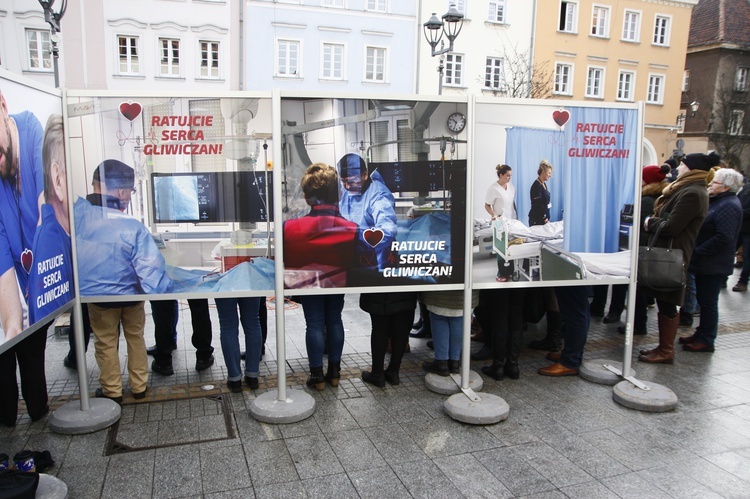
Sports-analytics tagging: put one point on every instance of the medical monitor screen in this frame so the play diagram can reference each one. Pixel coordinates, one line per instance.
(414, 176)
(210, 197)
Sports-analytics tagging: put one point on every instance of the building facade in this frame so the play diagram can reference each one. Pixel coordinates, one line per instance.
(624, 51)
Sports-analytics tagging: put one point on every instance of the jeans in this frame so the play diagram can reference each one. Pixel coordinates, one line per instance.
(574, 308)
(323, 327)
(707, 289)
(691, 304)
(745, 274)
(229, 327)
(447, 336)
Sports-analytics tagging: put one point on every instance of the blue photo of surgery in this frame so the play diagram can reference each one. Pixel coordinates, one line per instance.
(374, 192)
(36, 278)
(172, 194)
(553, 192)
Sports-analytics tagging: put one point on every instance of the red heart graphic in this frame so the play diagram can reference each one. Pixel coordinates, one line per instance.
(373, 236)
(130, 110)
(561, 116)
(27, 258)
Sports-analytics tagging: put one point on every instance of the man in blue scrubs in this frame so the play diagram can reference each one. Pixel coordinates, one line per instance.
(21, 185)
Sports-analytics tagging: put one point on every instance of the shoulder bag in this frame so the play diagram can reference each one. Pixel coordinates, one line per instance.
(661, 269)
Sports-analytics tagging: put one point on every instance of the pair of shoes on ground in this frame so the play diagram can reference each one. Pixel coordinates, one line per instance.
(442, 367)
(611, 318)
(636, 330)
(502, 278)
(236, 386)
(740, 287)
(690, 344)
(99, 393)
(203, 364)
(557, 370)
(379, 380)
(498, 371)
(168, 370)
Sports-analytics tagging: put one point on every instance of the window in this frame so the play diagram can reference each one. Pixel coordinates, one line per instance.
(563, 79)
(625, 84)
(405, 135)
(454, 66)
(128, 51)
(40, 55)
(333, 3)
(497, 11)
(595, 82)
(377, 5)
(741, 83)
(375, 64)
(209, 59)
(170, 57)
(600, 21)
(378, 135)
(686, 80)
(661, 31)
(460, 5)
(631, 26)
(287, 58)
(568, 16)
(333, 62)
(494, 74)
(735, 124)
(655, 92)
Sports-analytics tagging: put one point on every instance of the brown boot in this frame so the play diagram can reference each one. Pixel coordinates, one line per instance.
(664, 353)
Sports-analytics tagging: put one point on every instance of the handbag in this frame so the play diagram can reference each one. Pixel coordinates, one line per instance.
(661, 269)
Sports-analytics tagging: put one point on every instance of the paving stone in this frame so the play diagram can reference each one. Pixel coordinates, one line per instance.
(469, 476)
(177, 474)
(331, 486)
(376, 483)
(119, 481)
(424, 479)
(394, 444)
(313, 456)
(354, 450)
(84, 481)
(270, 462)
(224, 468)
(510, 467)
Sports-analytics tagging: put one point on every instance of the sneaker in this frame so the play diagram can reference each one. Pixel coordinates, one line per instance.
(99, 393)
(164, 370)
(235, 386)
(252, 383)
(739, 287)
(203, 364)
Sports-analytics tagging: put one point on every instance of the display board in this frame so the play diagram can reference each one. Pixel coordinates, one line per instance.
(184, 182)
(574, 211)
(36, 278)
(394, 212)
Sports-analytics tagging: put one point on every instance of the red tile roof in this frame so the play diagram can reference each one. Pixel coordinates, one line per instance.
(720, 22)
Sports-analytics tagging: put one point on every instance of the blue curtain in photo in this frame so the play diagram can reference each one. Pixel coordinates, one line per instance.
(594, 173)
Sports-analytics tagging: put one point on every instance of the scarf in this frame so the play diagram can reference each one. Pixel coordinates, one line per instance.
(687, 178)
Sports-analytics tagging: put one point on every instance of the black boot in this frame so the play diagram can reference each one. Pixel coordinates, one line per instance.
(425, 331)
(374, 379)
(454, 366)
(333, 376)
(511, 369)
(495, 370)
(316, 379)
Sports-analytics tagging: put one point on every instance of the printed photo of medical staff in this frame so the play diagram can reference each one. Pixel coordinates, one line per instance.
(375, 192)
(558, 210)
(35, 277)
(184, 183)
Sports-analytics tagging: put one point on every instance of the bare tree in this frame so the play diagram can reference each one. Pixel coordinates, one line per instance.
(521, 79)
(729, 125)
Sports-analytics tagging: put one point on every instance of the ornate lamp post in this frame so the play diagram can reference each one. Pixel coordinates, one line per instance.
(53, 19)
(434, 30)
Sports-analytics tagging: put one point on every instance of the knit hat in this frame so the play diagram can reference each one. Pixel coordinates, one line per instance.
(654, 174)
(671, 162)
(115, 174)
(700, 161)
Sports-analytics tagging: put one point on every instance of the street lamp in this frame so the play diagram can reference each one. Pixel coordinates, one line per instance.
(53, 19)
(694, 107)
(435, 29)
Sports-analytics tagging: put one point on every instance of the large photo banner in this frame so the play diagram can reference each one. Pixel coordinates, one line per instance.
(36, 268)
(553, 192)
(374, 192)
(172, 195)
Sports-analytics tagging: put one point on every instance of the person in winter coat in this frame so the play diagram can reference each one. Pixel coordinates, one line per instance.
(679, 213)
(713, 256)
(744, 197)
(391, 315)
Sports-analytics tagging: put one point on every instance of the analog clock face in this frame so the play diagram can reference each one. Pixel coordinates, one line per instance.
(456, 122)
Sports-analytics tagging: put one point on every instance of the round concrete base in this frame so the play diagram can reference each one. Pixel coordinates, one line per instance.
(51, 487)
(490, 409)
(658, 399)
(71, 420)
(444, 385)
(594, 371)
(267, 408)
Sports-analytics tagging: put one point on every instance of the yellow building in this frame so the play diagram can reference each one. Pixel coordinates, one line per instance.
(619, 51)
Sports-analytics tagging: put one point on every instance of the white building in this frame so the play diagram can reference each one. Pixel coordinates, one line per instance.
(138, 44)
(331, 45)
(495, 34)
